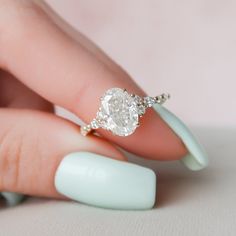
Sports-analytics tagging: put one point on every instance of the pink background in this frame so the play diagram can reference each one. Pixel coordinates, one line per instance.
(186, 48)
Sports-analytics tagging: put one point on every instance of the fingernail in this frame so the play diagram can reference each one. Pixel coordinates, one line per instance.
(197, 158)
(12, 199)
(104, 182)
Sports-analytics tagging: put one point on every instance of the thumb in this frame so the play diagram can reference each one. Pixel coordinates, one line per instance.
(44, 155)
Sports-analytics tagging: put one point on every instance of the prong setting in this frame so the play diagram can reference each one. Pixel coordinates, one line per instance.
(120, 111)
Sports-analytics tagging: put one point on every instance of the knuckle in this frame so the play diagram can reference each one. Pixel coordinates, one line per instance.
(16, 11)
(17, 26)
(11, 147)
(17, 21)
(24, 155)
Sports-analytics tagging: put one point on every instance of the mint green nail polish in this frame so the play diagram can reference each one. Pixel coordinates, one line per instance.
(104, 182)
(197, 158)
(12, 199)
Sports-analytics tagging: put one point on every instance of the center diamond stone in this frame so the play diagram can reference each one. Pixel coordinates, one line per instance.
(118, 112)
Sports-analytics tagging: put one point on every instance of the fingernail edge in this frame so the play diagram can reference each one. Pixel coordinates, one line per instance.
(197, 158)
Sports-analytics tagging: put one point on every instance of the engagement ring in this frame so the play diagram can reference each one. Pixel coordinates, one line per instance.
(120, 111)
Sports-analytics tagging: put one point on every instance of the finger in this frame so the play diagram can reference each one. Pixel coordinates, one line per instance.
(14, 94)
(83, 40)
(68, 74)
(33, 144)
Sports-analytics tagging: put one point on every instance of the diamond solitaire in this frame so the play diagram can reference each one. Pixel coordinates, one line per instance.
(120, 111)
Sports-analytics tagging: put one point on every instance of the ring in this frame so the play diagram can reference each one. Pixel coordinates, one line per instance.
(120, 111)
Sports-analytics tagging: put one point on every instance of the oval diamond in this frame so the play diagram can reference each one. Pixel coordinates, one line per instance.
(118, 112)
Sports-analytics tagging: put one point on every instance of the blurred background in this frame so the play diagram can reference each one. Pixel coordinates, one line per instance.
(186, 48)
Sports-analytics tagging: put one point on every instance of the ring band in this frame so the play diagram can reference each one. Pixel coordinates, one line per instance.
(120, 111)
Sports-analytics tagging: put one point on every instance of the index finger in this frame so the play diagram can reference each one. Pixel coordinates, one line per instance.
(69, 74)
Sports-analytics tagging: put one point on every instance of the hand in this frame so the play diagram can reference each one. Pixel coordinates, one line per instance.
(44, 62)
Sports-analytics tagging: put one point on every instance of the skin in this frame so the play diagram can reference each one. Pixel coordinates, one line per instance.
(44, 62)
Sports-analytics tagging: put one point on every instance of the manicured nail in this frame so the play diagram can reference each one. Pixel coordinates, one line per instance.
(197, 158)
(104, 182)
(12, 199)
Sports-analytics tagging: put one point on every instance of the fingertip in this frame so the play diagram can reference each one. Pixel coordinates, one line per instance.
(153, 139)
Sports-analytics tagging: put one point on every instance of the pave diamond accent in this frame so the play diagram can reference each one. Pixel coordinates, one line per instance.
(94, 124)
(149, 101)
(118, 112)
(140, 104)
